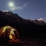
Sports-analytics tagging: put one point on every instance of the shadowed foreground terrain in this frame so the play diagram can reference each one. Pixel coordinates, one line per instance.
(30, 42)
(32, 31)
(33, 42)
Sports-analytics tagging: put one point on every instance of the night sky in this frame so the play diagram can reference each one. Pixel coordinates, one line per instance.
(28, 9)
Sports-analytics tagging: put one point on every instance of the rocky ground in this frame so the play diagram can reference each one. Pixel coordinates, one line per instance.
(33, 42)
(30, 42)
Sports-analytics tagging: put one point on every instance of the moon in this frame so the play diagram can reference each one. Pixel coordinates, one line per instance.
(11, 4)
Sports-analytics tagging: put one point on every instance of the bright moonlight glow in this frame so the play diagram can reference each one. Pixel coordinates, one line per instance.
(11, 4)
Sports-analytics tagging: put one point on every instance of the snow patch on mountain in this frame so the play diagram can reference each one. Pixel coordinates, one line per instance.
(41, 19)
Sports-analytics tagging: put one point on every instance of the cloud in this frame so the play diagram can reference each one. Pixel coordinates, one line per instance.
(15, 8)
(12, 8)
(18, 7)
(25, 5)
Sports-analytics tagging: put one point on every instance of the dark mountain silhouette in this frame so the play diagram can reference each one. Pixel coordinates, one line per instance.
(26, 28)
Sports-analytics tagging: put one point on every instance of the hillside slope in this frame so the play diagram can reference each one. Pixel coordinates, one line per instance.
(27, 28)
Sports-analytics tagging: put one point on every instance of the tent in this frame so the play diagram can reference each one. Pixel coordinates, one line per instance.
(9, 33)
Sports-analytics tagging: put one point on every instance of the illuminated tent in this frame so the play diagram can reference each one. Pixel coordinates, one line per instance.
(10, 31)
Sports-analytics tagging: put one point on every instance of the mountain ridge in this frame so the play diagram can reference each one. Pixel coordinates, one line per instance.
(27, 28)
